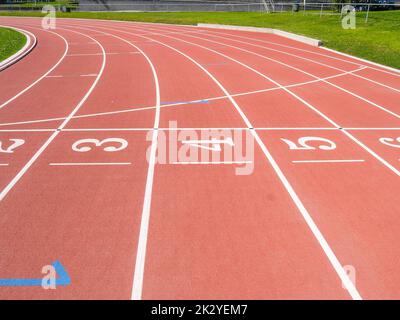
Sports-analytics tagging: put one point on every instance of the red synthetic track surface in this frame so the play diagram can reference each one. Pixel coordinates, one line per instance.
(127, 227)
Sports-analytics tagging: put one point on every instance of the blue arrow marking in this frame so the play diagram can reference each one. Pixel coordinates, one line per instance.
(62, 280)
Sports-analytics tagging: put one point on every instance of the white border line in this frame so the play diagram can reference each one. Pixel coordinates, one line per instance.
(27, 48)
(211, 162)
(327, 161)
(202, 128)
(89, 163)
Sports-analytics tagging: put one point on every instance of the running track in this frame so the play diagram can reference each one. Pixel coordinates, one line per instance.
(127, 227)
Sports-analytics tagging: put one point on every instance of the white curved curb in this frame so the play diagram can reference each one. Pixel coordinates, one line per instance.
(31, 42)
(296, 37)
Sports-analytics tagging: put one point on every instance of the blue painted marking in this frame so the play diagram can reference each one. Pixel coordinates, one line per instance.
(185, 102)
(214, 64)
(62, 280)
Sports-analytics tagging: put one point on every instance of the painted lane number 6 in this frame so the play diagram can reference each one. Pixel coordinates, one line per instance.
(83, 145)
(303, 143)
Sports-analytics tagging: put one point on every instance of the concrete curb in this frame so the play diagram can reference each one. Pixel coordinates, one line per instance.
(31, 42)
(296, 37)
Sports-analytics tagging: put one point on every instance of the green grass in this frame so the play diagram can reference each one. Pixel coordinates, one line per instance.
(378, 40)
(10, 42)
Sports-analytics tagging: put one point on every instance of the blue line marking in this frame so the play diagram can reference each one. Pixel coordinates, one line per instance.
(184, 102)
(62, 280)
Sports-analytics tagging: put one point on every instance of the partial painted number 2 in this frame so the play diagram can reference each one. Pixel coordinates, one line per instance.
(395, 143)
(304, 143)
(114, 144)
(10, 147)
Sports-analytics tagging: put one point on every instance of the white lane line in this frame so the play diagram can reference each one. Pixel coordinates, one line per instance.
(294, 128)
(173, 104)
(99, 54)
(328, 161)
(202, 128)
(90, 163)
(346, 281)
(43, 76)
(81, 43)
(137, 287)
(393, 128)
(3, 164)
(26, 167)
(71, 76)
(362, 145)
(211, 162)
(26, 130)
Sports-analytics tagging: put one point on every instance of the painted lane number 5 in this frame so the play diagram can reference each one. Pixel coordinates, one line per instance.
(84, 145)
(303, 143)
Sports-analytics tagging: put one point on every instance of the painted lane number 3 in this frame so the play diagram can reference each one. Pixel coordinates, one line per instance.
(85, 145)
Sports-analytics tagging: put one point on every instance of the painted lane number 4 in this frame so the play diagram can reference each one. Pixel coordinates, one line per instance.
(213, 144)
(85, 145)
(304, 143)
(11, 147)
